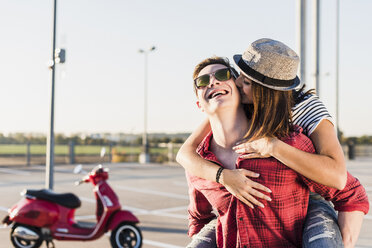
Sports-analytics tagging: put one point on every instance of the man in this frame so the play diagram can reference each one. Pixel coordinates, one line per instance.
(273, 226)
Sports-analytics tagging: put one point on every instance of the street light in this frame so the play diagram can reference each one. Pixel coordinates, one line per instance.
(58, 57)
(337, 66)
(145, 156)
(49, 165)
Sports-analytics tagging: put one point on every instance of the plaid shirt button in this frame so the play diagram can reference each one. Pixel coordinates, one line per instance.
(241, 218)
(245, 246)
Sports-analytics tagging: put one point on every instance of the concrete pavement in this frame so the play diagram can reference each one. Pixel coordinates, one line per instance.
(156, 194)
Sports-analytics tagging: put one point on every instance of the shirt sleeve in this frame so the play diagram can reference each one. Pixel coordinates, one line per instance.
(352, 198)
(200, 210)
(309, 113)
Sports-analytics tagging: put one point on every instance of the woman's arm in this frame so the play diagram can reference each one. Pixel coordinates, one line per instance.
(235, 181)
(327, 167)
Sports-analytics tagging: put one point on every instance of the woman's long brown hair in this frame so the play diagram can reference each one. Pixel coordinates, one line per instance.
(270, 114)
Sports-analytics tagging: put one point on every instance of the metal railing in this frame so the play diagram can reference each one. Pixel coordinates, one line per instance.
(29, 154)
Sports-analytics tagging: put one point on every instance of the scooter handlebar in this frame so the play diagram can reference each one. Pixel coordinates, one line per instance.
(85, 179)
(77, 183)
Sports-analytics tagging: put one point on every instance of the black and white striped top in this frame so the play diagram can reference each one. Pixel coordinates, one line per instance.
(309, 113)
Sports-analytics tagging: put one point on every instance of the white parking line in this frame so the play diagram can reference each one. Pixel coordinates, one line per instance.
(4, 209)
(172, 209)
(153, 192)
(15, 172)
(86, 199)
(178, 183)
(140, 211)
(159, 244)
(177, 216)
(55, 169)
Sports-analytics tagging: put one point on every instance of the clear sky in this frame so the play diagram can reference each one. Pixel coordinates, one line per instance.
(100, 87)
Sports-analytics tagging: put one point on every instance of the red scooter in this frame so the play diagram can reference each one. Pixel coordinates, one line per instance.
(43, 215)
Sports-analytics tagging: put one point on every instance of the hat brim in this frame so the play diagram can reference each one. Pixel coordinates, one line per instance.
(296, 81)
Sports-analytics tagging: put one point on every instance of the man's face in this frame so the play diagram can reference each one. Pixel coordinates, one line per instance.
(245, 87)
(217, 94)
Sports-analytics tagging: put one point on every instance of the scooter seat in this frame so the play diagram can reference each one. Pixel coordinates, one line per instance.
(67, 200)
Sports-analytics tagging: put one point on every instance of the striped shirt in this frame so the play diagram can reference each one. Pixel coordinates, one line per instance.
(309, 112)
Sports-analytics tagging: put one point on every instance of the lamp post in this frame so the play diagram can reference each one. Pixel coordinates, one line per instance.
(145, 156)
(49, 166)
(58, 57)
(337, 66)
(301, 37)
(316, 38)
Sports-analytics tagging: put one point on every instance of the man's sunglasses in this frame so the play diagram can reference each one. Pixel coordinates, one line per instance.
(221, 75)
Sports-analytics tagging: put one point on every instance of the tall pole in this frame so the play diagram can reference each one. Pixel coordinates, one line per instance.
(316, 45)
(50, 138)
(301, 37)
(145, 156)
(144, 136)
(337, 65)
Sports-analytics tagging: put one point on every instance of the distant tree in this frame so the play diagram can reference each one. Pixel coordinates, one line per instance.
(60, 139)
(178, 140)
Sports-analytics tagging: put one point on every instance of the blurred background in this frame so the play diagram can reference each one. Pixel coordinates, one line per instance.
(100, 88)
(122, 79)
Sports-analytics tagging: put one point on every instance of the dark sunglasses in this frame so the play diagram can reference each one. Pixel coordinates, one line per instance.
(221, 75)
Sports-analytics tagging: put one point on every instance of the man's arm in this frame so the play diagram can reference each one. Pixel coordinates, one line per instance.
(351, 202)
(235, 181)
(350, 224)
(200, 210)
(327, 167)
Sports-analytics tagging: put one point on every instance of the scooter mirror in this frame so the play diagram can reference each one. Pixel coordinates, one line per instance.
(103, 151)
(78, 169)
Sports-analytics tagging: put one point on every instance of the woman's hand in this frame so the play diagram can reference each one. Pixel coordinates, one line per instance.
(260, 148)
(243, 188)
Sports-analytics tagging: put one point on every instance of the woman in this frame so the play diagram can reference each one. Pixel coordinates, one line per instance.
(327, 167)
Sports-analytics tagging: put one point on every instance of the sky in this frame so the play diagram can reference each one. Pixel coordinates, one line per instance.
(100, 88)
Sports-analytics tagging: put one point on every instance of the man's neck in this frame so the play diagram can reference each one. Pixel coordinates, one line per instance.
(228, 128)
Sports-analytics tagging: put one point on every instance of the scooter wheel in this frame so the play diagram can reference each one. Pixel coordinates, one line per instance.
(20, 242)
(126, 235)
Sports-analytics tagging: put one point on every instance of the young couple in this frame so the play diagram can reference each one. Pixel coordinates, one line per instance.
(261, 107)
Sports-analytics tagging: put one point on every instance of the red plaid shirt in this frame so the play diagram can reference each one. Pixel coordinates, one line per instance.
(280, 223)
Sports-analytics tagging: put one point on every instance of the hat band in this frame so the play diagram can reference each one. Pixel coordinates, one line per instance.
(262, 78)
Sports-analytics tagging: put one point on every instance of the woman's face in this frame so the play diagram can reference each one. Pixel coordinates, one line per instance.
(245, 87)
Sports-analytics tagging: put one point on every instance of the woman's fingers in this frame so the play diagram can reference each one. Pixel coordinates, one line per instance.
(253, 184)
(258, 194)
(252, 155)
(245, 201)
(248, 173)
(260, 187)
(242, 150)
(253, 200)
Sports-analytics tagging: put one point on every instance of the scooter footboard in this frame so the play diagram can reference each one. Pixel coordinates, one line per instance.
(119, 217)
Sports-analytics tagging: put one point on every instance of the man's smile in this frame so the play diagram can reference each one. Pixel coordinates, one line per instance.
(216, 92)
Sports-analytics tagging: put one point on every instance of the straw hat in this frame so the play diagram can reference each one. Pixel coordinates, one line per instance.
(271, 64)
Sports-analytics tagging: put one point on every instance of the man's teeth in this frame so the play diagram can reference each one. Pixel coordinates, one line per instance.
(218, 93)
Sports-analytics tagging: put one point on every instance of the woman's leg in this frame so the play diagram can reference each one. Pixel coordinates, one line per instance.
(206, 238)
(321, 228)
